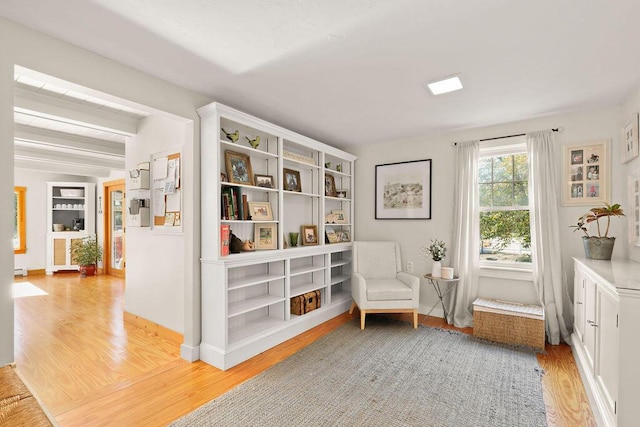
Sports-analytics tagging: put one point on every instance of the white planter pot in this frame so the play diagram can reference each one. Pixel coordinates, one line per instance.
(436, 269)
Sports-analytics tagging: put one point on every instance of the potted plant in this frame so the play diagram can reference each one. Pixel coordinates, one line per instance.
(600, 246)
(86, 253)
(437, 251)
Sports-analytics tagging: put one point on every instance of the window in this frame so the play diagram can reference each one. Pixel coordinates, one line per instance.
(503, 179)
(20, 220)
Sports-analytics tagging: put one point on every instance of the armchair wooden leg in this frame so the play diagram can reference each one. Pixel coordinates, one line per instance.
(353, 305)
(362, 316)
(415, 319)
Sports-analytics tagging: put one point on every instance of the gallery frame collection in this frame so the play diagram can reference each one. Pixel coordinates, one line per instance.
(403, 190)
(629, 138)
(585, 178)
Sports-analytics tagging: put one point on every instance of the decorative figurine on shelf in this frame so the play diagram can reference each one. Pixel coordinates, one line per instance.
(248, 246)
(236, 244)
(233, 137)
(254, 142)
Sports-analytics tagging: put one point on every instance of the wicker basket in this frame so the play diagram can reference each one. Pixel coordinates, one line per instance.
(18, 407)
(509, 323)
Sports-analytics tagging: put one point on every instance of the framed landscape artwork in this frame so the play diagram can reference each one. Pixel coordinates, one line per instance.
(403, 190)
(265, 236)
(585, 179)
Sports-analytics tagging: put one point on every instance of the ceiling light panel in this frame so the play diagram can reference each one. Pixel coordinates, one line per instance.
(446, 85)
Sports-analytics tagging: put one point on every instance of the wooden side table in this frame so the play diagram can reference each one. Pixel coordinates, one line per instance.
(448, 285)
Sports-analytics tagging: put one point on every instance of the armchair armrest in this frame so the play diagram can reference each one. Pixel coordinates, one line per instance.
(358, 288)
(410, 280)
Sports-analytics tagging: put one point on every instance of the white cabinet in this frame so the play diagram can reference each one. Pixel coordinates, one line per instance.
(70, 216)
(287, 183)
(605, 337)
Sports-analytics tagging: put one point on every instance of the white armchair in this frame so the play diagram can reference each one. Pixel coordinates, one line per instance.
(378, 284)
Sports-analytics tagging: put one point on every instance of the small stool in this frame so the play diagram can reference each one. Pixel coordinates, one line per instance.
(509, 322)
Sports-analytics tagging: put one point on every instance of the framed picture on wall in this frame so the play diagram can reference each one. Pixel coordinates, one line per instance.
(403, 190)
(585, 177)
(629, 138)
(633, 213)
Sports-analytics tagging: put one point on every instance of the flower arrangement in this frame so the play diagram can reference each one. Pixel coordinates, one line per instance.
(437, 250)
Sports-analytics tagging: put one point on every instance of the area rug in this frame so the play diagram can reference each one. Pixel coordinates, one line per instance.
(387, 375)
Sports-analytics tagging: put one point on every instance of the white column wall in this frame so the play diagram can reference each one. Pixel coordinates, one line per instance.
(630, 106)
(31, 49)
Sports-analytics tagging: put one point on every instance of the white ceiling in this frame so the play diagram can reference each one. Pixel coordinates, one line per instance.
(352, 71)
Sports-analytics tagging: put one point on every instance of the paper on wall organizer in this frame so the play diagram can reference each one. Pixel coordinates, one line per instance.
(173, 202)
(158, 203)
(160, 168)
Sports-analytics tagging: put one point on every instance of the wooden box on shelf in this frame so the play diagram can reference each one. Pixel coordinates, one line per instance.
(305, 303)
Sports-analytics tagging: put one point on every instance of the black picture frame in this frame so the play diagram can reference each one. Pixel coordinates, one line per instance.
(403, 190)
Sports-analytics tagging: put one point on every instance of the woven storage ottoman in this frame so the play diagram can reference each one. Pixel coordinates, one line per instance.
(509, 322)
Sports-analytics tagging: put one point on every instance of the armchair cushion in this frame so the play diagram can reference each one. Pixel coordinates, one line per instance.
(387, 290)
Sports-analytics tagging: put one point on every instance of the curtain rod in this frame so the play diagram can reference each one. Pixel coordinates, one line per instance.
(512, 136)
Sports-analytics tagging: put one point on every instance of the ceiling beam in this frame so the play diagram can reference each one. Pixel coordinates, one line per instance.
(68, 159)
(55, 139)
(43, 166)
(41, 104)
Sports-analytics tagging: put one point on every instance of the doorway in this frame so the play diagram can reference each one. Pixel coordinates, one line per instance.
(114, 228)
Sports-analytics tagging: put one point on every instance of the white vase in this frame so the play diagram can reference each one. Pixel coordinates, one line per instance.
(436, 269)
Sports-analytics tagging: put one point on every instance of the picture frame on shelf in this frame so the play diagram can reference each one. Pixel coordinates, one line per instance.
(265, 181)
(403, 190)
(309, 235)
(291, 180)
(238, 168)
(331, 235)
(265, 236)
(343, 236)
(331, 218)
(629, 138)
(260, 211)
(341, 217)
(223, 177)
(341, 194)
(330, 186)
(585, 179)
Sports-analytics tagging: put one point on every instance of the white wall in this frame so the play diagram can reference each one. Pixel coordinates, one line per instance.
(578, 127)
(155, 260)
(36, 201)
(630, 106)
(22, 46)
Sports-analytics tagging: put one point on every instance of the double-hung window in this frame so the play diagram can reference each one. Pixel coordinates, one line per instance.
(503, 179)
(20, 221)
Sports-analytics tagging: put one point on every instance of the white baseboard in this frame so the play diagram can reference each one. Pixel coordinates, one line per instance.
(188, 353)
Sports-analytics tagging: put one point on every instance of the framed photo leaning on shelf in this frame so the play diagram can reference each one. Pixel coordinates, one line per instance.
(330, 186)
(265, 236)
(260, 211)
(238, 168)
(340, 216)
(309, 235)
(265, 181)
(332, 237)
(292, 180)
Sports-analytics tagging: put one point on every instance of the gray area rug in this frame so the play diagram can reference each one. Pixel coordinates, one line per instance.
(387, 375)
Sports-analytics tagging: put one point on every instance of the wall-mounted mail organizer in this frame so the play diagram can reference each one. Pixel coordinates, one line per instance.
(166, 191)
(139, 213)
(139, 177)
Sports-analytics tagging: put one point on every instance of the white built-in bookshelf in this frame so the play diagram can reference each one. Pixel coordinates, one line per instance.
(288, 183)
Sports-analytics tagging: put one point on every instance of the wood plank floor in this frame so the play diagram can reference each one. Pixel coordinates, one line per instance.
(90, 368)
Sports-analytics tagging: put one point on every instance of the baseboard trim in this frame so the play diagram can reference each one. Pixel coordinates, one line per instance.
(190, 354)
(154, 328)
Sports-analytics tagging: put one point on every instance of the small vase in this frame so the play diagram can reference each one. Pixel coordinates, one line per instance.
(436, 269)
(293, 239)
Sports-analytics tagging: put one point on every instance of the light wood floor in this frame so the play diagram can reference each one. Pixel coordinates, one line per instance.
(90, 368)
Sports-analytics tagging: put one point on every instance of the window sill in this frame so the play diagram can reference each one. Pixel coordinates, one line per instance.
(506, 272)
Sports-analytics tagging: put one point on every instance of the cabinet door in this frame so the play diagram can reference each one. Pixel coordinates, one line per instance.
(60, 251)
(590, 319)
(607, 346)
(578, 309)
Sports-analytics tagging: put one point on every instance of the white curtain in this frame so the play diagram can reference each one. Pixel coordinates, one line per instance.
(545, 232)
(466, 232)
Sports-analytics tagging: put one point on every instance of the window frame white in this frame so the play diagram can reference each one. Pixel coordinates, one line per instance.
(502, 269)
